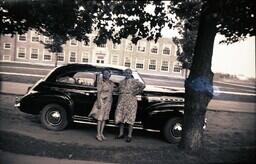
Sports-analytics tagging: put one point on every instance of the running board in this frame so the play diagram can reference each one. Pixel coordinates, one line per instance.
(110, 123)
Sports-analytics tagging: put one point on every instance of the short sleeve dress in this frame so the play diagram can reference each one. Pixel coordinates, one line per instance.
(104, 89)
(127, 102)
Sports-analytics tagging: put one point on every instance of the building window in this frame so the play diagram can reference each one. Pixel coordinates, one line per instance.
(34, 54)
(21, 52)
(139, 63)
(116, 46)
(153, 48)
(177, 67)
(152, 65)
(141, 46)
(60, 56)
(166, 50)
(127, 62)
(47, 56)
(6, 58)
(165, 66)
(102, 45)
(72, 57)
(73, 42)
(128, 46)
(22, 38)
(85, 57)
(35, 37)
(100, 59)
(7, 45)
(114, 60)
(47, 40)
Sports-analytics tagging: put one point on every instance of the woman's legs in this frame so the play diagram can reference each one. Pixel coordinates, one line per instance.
(102, 129)
(121, 131)
(98, 136)
(130, 129)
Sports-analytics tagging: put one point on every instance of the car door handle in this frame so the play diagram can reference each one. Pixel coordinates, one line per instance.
(90, 94)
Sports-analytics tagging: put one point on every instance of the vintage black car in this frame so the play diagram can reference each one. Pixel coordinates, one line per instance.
(68, 93)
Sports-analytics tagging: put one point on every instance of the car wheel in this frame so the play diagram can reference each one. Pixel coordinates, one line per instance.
(54, 117)
(172, 130)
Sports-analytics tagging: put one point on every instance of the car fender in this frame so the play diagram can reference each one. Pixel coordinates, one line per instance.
(42, 99)
(159, 112)
(63, 100)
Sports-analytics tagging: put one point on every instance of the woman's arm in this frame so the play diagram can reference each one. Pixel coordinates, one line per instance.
(139, 86)
(99, 89)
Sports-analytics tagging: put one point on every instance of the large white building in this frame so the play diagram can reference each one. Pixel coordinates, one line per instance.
(146, 57)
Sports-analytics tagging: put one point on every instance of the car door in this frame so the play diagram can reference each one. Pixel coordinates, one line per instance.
(85, 93)
(116, 78)
(80, 87)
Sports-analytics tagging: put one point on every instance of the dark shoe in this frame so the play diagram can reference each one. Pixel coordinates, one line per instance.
(119, 137)
(128, 139)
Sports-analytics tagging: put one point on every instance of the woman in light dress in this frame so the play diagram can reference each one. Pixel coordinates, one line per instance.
(127, 104)
(102, 105)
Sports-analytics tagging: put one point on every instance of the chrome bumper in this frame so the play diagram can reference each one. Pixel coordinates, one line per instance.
(205, 123)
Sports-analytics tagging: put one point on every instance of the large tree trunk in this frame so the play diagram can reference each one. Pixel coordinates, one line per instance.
(198, 86)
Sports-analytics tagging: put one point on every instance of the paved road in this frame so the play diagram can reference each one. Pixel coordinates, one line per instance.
(13, 158)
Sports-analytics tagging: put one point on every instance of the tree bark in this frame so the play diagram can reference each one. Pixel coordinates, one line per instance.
(198, 86)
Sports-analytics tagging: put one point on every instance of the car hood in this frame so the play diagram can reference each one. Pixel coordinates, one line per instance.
(164, 94)
(163, 89)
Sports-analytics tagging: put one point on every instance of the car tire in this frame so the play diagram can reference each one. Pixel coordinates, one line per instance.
(54, 117)
(172, 130)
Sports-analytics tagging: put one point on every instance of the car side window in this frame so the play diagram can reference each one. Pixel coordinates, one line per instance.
(85, 78)
(117, 78)
(66, 78)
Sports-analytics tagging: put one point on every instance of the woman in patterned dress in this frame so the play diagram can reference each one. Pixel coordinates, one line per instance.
(127, 104)
(102, 105)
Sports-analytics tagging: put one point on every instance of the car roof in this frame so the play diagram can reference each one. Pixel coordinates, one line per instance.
(96, 65)
(110, 66)
(89, 67)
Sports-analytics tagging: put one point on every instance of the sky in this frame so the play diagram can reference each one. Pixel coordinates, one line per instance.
(237, 58)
